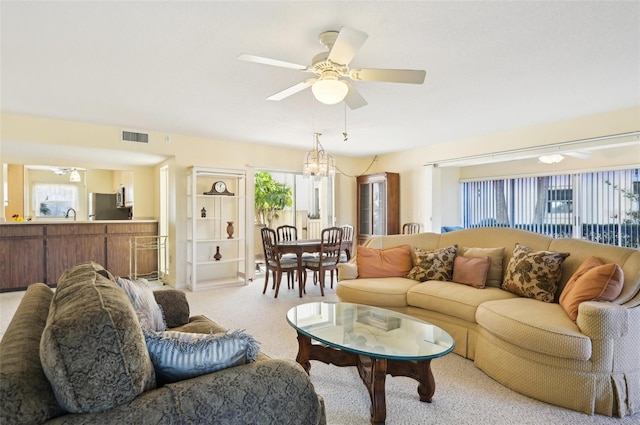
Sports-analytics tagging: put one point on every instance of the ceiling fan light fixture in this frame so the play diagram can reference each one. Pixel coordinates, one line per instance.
(329, 91)
(550, 159)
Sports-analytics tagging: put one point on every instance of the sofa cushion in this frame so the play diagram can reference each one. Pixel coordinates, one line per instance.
(174, 305)
(140, 294)
(471, 271)
(390, 262)
(382, 292)
(539, 327)
(453, 299)
(181, 355)
(92, 349)
(433, 265)
(593, 281)
(534, 274)
(25, 393)
(494, 277)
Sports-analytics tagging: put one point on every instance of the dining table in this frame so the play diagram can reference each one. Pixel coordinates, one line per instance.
(300, 247)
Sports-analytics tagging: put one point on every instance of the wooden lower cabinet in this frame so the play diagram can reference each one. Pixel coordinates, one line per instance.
(21, 260)
(32, 253)
(119, 239)
(70, 244)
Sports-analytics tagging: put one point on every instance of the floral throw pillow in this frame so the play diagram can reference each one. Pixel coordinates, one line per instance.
(534, 274)
(433, 265)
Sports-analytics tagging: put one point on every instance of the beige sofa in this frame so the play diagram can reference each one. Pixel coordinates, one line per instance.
(533, 347)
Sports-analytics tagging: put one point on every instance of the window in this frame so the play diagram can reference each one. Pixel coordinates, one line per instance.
(560, 201)
(54, 199)
(601, 207)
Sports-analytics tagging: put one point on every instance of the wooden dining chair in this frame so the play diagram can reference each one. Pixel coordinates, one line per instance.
(276, 265)
(329, 256)
(347, 243)
(287, 232)
(410, 228)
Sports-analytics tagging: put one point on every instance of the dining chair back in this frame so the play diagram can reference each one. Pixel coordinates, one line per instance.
(410, 228)
(275, 263)
(327, 260)
(347, 243)
(287, 232)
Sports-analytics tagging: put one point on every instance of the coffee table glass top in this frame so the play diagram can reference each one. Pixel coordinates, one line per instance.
(371, 331)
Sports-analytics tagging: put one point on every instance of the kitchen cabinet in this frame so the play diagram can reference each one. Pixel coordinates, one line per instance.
(216, 228)
(378, 205)
(31, 252)
(22, 259)
(68, 245)
(120, 236)
(124, 180)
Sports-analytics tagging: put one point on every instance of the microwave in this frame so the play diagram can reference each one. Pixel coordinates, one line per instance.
(120, 197)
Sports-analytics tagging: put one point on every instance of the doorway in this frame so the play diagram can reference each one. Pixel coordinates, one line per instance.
(311, 208)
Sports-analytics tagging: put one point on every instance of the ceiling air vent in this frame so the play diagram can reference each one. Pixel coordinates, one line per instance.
(132, 136)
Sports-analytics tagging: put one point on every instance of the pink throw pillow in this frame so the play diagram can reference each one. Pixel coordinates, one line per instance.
(471, 271)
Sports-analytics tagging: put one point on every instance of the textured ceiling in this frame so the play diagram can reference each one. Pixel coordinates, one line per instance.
(172, 67)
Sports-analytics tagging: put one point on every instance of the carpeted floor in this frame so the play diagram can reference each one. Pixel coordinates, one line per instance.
(464, 394)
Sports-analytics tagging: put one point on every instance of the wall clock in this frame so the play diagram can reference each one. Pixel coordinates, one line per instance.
(219, 188)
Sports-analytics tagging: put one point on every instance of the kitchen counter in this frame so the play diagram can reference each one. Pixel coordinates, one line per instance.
(41, 250)
(71, 221)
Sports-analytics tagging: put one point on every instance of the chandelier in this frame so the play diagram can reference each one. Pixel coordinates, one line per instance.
(317, 162)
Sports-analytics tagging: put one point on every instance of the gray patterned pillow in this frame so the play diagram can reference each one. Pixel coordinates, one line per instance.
(92, 349)
(433, 265)
(182, 355)
(141, 295)
(534, 274)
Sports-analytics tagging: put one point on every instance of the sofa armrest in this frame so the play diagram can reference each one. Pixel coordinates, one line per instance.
(174, 305)
(274, 391)
(602, 320)
(347, 271)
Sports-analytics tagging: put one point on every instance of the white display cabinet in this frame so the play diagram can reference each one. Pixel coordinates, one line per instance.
(216, 228)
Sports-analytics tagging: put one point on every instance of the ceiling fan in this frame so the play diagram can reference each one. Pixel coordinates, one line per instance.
(330, 85)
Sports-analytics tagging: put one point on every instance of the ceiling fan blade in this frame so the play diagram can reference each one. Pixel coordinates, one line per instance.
(292, 90)
(354, 99)
(578, 154)
(272, 62)
(409, 76)
(346, 45)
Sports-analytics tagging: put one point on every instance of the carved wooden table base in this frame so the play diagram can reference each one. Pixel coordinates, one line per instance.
(373, 372)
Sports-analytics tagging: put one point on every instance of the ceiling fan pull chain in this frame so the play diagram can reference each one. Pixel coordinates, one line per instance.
(345, 134)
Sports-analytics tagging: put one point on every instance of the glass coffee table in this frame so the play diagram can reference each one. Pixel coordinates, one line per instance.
(377, 341)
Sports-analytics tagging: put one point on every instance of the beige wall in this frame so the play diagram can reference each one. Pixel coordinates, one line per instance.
(432, 205)
(36, 134)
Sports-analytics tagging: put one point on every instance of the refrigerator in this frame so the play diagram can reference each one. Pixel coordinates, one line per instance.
(103, 206)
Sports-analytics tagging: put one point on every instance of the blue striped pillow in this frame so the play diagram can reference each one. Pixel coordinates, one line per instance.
(182, 355)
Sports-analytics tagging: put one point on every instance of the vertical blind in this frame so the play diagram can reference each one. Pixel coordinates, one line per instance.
(598, 206)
